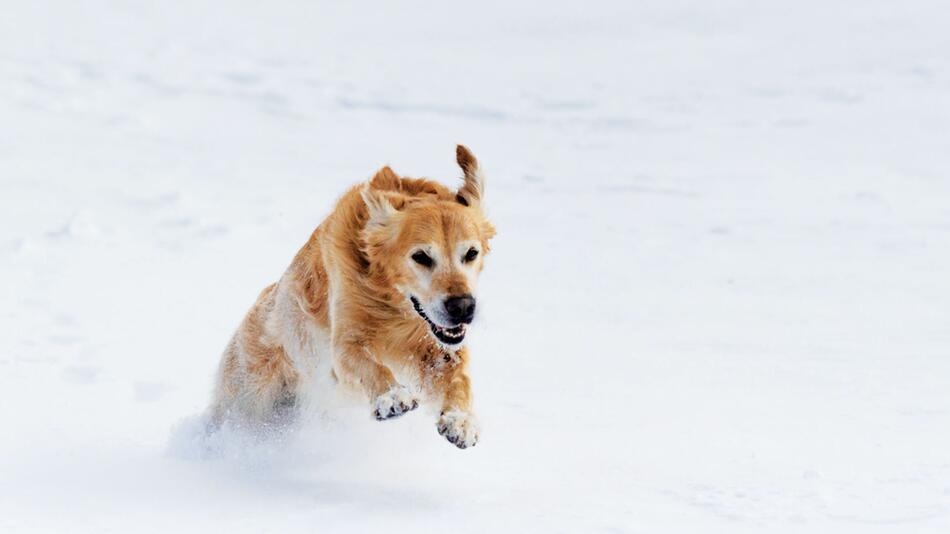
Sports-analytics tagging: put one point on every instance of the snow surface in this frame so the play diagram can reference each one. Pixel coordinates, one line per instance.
(718, 300)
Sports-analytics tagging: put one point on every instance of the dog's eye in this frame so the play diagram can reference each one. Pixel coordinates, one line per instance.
(422, 259)
(470, 255)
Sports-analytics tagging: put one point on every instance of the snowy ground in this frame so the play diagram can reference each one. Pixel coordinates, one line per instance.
(719, 300)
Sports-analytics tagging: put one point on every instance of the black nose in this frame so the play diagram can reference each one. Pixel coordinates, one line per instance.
(460, 309)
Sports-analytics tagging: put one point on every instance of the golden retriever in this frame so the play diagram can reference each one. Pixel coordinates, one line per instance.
(384, 288)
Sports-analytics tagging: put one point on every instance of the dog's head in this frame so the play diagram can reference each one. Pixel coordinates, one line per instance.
(428, 243)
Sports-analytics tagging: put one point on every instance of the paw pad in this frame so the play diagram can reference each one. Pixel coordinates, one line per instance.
(459, 428)
(395, 402)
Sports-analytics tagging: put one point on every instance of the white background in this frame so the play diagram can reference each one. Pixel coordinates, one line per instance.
(718, 300)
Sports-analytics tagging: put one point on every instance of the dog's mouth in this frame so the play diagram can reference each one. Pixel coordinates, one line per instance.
(448, 335)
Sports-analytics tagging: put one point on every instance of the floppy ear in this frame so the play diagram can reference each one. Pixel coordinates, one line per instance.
(378, 206)
(473, 190)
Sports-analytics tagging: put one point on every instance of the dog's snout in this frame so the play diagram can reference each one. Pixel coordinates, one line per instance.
(460, 309)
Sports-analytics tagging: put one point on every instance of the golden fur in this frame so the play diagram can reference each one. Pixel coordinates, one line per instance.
(346, 297)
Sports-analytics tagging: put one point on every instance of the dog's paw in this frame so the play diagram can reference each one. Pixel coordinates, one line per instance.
(460, 428)
(395, 402)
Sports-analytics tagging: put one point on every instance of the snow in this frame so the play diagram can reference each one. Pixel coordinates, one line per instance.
(717, 302)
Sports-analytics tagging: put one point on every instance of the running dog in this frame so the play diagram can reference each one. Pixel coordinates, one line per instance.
(384, 288)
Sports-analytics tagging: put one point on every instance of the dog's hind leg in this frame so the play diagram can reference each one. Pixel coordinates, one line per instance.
(227, 387)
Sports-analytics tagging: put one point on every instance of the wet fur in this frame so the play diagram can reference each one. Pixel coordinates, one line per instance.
(344, 298)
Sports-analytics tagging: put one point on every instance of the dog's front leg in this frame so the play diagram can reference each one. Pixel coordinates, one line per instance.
(354, 365)
(457, 423)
